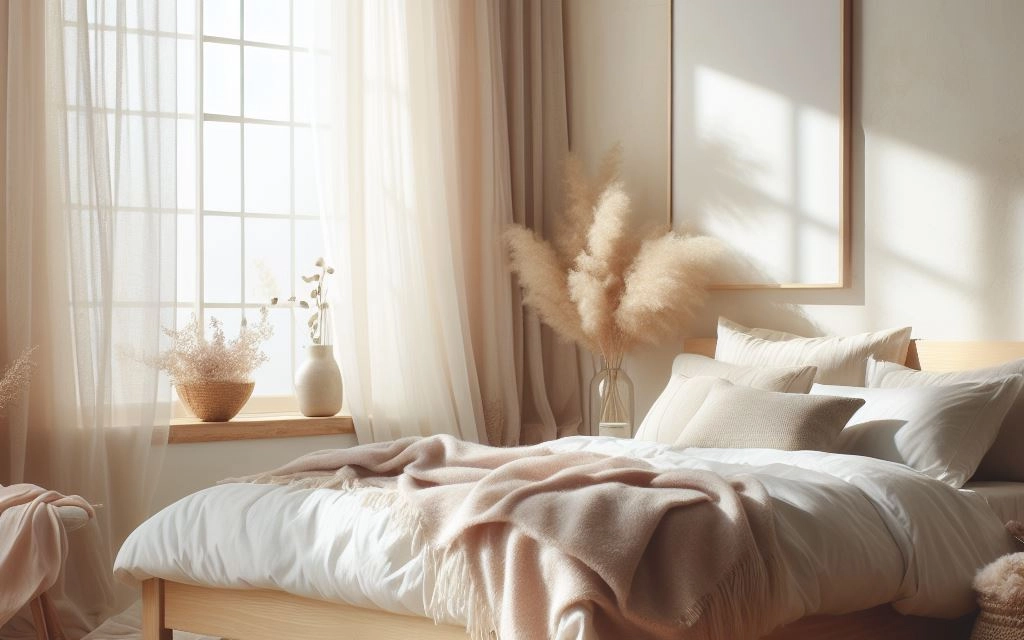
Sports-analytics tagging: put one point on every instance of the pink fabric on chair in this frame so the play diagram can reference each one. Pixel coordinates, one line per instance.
(33, 544)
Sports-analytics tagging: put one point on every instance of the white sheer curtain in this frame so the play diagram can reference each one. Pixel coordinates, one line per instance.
(89, 243)
(415, 165)
(417, 176)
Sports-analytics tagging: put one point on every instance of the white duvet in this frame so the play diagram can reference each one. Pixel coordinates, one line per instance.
(855, 533)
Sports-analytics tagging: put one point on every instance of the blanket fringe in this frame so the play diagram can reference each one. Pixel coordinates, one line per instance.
(734, 608)
(455, 590)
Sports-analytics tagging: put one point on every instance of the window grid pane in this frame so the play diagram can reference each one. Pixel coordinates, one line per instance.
(222, 18)
(255, 230)
(221, 78)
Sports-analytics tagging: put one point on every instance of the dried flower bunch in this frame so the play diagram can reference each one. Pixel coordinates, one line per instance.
(317, 323)
(16, 378)
(601, 284)
(194, 359)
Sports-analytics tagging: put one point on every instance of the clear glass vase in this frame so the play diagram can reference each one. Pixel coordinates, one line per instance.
(611, 403)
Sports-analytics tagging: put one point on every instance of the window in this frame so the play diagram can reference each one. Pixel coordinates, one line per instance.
(247, 225)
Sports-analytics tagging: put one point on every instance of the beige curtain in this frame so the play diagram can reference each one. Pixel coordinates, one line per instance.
(89, 209)
(534, 81)
(419, 103)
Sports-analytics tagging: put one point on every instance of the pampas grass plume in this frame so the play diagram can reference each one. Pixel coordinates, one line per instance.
(599, 283)
(581, 197)
(544, 283)
(665, 286)
(609, 245)
(587, 291)
(571, 235)
(596, 283)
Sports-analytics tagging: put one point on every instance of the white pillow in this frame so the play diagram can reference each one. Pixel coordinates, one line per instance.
(676, 405)
(840, 359)
(942, 431)
(680, 399)
(1005, 459)
(788, 379)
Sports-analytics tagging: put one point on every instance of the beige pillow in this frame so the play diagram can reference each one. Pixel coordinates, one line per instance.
(741, 417)
(693, 377)
(841, 360)
(1005, 459)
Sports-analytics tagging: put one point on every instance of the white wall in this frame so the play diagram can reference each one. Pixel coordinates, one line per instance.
(194, 466)
(938, 168)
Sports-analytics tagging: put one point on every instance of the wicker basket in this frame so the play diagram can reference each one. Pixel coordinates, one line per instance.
(215, 401)
(997, 621)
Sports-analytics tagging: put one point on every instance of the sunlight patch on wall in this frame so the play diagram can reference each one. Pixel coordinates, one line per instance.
(751, 127)
(933, 248)
(770, 195)
(818, 193)
(818, 134)
(755, 121)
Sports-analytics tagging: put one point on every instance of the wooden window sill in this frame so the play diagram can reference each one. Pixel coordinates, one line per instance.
(257, 426)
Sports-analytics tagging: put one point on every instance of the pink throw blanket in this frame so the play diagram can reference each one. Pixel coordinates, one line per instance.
(33, 543)
(525, 534)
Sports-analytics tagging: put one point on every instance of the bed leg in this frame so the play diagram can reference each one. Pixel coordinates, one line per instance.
(153, 611)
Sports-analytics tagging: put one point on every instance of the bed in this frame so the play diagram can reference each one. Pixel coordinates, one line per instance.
(176, 597)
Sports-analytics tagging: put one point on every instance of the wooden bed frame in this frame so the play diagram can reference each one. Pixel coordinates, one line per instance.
(275, 615)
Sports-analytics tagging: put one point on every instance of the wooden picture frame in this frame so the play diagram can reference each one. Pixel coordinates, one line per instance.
(778, 195)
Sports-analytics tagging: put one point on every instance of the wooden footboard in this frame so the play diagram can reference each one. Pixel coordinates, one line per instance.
(274, 615)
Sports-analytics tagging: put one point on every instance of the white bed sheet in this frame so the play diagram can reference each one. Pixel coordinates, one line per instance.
(855, 533)
(1005, 498)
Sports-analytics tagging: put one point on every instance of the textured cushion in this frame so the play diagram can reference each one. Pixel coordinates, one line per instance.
(788, 379)
(942, 431)
(1005, 459)
(681, 399)
(675, 407)
(840, 359)
(741, 417)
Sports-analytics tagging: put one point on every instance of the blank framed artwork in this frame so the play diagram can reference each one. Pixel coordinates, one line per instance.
(760, 132)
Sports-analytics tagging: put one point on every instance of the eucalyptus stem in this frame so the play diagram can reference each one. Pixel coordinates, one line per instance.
(319, 304)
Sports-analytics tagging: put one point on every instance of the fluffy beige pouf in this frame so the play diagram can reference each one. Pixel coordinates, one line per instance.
(1000, 588)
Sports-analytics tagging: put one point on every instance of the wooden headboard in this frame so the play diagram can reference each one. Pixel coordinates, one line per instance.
(928, 355)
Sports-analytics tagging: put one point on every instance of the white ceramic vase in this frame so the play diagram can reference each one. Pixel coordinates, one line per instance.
(318, 383)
